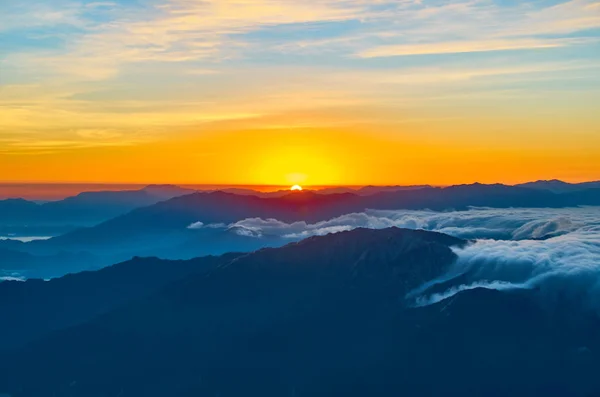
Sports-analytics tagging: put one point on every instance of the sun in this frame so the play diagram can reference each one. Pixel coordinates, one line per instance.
(296, 188)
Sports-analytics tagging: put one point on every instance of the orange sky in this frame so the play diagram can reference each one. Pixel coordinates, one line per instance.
(315, 92)
(315, 157)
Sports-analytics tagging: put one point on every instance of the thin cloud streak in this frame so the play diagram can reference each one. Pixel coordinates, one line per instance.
(458, 47)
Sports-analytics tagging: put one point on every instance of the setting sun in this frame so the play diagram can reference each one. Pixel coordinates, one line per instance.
(296, 188)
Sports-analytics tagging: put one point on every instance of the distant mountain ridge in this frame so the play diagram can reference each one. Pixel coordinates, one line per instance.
(84, 209)
(164, 228)
(89, 208)
(558, 186)
(219, 207)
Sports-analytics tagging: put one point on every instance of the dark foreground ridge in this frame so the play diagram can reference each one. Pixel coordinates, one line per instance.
(323, 317)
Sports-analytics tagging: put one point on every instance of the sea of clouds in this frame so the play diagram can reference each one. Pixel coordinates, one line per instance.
(556, 250)
(476, 223)
(567, 264)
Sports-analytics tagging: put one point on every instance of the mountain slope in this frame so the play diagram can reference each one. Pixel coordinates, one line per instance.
(22, 264)
(163, 229)
(173, 216)
(327, 316)
(177, 214)
(33, 308)
(326, 290)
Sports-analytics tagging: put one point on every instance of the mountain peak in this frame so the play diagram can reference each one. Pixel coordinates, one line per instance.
(550, 181)
(402, 257)
(161, 186)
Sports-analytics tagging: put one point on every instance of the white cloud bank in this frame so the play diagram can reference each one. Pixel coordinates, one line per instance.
(477, 223)
(567, 266)
(554, 250)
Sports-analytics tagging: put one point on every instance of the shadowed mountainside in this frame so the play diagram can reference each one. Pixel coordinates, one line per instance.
(33, 308)
(323, 317)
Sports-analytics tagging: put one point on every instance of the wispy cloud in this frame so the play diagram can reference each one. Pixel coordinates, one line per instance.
(189, 30)
(36, 13)
(109, 71)
(457, 47)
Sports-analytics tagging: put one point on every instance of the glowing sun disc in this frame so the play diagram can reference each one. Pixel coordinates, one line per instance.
(296, 187)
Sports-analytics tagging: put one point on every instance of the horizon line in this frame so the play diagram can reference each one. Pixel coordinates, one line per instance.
(184, 184)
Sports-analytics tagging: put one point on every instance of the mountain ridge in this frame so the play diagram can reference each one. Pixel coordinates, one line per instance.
(326, 316)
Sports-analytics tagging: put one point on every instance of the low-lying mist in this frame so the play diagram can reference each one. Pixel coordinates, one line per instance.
(554, 250)
(476, 223)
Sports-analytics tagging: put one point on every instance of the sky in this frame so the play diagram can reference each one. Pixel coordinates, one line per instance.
(328, 92)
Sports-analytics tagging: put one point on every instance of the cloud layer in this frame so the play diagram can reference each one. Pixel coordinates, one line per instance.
(554, 250)
(567, 265)
(499, 224)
